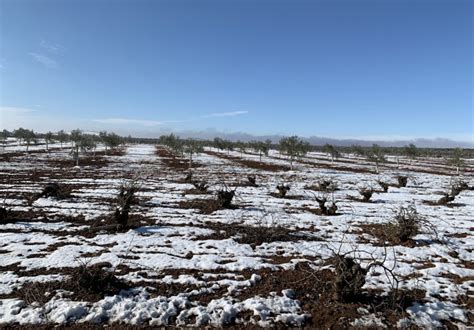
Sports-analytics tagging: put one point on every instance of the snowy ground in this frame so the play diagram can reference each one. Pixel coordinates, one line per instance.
(180, 266)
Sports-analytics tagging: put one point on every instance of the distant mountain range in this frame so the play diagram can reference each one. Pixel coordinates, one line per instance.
(316, 140)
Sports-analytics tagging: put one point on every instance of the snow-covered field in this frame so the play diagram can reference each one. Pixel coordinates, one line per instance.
(266, 261)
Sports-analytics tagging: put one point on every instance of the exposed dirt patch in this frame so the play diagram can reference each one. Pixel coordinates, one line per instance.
(251, 163)
(255, 236)
(172, 160)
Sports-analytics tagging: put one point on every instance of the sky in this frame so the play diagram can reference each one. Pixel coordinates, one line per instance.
(341, 69)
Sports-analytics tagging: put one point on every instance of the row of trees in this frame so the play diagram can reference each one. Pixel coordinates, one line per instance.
(294, 147)
(76, 137)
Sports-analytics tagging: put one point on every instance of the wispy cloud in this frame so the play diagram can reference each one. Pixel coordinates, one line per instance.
(44, 60)
(225, 114)
(126, 121)
(15, 110)
(51, 47)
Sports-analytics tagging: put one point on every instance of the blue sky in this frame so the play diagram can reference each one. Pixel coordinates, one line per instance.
(323, 68)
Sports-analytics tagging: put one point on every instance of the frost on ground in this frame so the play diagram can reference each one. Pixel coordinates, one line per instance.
(265, 260)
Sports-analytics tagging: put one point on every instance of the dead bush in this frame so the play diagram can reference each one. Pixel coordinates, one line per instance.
(189, 177)
(457, 187)
(326, 207)
(402, 181)
(201, 186)
(406, 225)
(224, 198)
(383, 185)
(324, 185)
(252, 179)
(97, 279)
(366, 193)
(282, 190)
(54, 190)
(3, 214)
(349, 278)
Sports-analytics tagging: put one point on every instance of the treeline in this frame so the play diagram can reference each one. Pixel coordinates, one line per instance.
(79, 140)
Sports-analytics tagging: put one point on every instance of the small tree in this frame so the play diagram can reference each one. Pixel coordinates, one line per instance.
(20, 134)
(411, 151)
(3, 137)
(103, 137)
(358, 150)
(192, 147)
(81, 143)
(62, 137)
(240, 147)
(331, 151)
(376, 155)
(48, 138)
(173, 142)
(261, 148)
(457, 160)
(219, 143)
(29, 137)
(293, 147)
(229, 146)
(111, 140)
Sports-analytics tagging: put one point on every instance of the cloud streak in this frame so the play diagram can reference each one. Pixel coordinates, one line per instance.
(15, 110)
(225, 114)
(51, 47)
(127, 121)
(44, 60)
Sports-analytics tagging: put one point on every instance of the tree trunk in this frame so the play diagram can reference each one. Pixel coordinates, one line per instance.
(398, 163)
(260, 157)
(457, 170)
(377, 167)
(291, 163)
(190, 160)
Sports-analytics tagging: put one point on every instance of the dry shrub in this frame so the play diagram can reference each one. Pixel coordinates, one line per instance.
(224, 198)
(282, 190)
(97, 279)
(457, 187)
(3, 215)
(252, 179)
(383, 185)
(402, 180)
(54, 190)
(325, 207)
(366, 194)
(324, 185)
(407, 224)
(201, 186)
(349, 278)
(189, 177)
